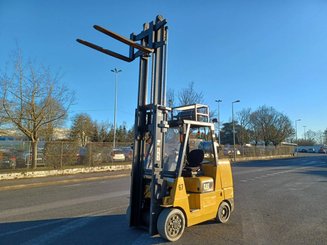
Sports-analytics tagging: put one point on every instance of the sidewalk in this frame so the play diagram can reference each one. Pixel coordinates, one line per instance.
(60, 172)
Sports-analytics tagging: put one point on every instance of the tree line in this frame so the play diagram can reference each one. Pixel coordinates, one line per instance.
(85, 130)
(267, 126)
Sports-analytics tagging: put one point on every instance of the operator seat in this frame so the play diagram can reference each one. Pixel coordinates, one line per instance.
(194, 179)
(194, 160)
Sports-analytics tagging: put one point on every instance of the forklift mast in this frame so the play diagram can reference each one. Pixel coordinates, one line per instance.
(151, 117)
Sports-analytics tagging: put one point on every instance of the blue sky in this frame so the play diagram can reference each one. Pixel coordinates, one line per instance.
(270, 53)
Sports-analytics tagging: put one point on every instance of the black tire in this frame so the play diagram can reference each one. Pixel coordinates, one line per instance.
(224, 212)
(128, 214)
(171, 224)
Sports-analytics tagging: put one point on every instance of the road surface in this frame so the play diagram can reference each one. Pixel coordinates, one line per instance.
(276, 202)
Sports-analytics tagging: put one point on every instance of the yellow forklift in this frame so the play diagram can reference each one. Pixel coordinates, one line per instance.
(174, 184)
(196, 186)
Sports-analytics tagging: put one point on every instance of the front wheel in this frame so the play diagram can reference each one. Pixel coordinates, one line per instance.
(128, 214)
(171, 224)
(224, 212)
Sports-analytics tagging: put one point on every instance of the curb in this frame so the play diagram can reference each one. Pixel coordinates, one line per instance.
(245, 159)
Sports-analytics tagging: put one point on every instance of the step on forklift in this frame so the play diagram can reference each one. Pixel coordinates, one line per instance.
(174, 183)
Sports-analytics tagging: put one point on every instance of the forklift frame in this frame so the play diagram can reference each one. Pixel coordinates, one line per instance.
(151, 114)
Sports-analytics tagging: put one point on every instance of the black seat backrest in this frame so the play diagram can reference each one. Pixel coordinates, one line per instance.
(195, 158)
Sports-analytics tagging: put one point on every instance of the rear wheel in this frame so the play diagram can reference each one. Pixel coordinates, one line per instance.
(223, 213)
(171, 224)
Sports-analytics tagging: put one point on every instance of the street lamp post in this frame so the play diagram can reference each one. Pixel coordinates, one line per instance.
(296, 129)
(116, 71)
(218, 101)
(236, 101)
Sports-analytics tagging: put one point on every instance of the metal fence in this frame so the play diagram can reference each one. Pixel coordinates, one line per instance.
(258, 151)
(60, 155)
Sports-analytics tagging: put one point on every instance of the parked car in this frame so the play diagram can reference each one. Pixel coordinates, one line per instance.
(81, 155)
(117, 155)
(311, 150)
(7, 159)
(322, 150)
(40, 159)
(230, 151)
(303, 150)
(128, 152)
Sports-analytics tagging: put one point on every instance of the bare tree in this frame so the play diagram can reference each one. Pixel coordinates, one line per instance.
(32, 99)
(270, 125)
(170, 97)
(306, 142)
(320, 137)
(189, 96)
(2, 118)
(243, 118)
(281, 129)
(261, 121)
(314, 136)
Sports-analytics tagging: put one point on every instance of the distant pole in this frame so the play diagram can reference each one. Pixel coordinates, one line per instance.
(218, 101)
(233, 123)
(297, 120)
(116, 71)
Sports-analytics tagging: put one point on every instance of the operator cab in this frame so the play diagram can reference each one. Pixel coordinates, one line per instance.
(188, 127)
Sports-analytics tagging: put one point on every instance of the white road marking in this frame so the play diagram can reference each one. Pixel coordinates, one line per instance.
(68, 227)
(146, 239)
(77, 222)
(264, 169)
(305, 166)
(73, 185)
(59, 204)
(9, 233)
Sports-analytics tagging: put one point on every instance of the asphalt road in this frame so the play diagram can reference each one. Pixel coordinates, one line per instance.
(276, 202)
